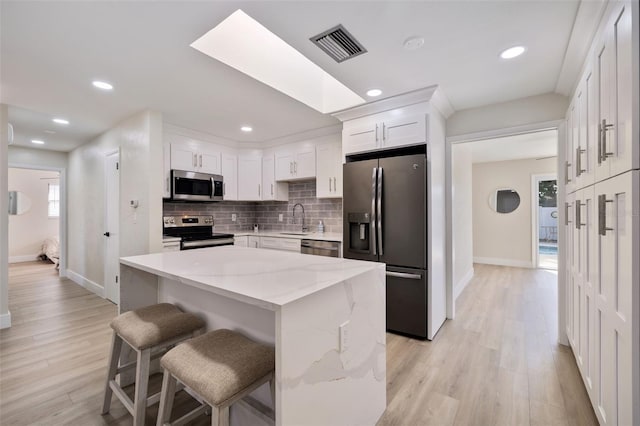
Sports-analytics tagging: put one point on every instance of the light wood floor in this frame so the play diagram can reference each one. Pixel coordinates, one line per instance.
(497, 364)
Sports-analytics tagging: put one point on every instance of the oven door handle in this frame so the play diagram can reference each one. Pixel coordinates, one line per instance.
(207, 243)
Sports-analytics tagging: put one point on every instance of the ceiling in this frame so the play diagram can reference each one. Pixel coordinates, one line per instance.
(51, 51)
(530, 145)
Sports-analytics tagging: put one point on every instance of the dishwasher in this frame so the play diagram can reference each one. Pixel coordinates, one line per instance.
(320, 248)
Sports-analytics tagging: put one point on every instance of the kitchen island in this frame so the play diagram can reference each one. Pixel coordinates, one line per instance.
(325, 317)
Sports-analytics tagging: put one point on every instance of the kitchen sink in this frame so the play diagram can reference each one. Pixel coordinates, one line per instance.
(295, 233)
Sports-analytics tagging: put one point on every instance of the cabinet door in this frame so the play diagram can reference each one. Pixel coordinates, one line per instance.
(363, 137)
(242, 241)
(580, 127)
(606, 114)
(268, 177)
(404, 131)
(625, 154)
(617, 297)
(270, 243)
(254, 241)
(166, 157)
(230, 175)
(329, 170)
(290, 244)
(304, 163)
(570, 276)
(183, 158)
(284, 165)
(249, 179)
(209, 161)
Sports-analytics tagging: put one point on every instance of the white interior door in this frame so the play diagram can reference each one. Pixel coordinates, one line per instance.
(112, 228)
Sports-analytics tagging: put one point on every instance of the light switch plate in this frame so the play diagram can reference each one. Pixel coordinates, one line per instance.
(280, 217)
(234, 217)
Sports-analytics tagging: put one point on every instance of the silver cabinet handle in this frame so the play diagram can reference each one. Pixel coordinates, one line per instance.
(372, 222)
(602, 146)
(167, 185)
(404, 275)
(579, 169)
(376, 133)
(195, 160)
(384, 138)
(224, 188)
(258, 190)
(567, 179)
(295, 167)
(290, 167)
(566, 214)
(200, 160)
(578, 207)
(335, 188)
(329, 184)
(602, 214)
(380, 248)
(271, 189)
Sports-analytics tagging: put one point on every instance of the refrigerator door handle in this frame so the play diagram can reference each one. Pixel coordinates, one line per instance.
(379, 201)
(404, 275)
(372, 222)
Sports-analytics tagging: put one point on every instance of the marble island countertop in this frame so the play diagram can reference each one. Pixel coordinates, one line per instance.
(319, 236)
(265, 278)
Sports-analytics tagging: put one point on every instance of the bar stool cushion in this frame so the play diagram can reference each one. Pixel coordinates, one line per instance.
(149, 326)
(219, 364)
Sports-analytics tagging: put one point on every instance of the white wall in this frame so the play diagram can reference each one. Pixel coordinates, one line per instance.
(27, 231)
(5, 315)
(505, 239)
(139, 141)
(21, 156)
(520, 112)
(462, 218)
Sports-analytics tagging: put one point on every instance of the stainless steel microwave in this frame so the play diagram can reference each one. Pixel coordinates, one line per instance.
(193, 186)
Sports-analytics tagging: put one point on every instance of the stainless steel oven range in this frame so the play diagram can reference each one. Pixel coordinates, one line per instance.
(195, 232)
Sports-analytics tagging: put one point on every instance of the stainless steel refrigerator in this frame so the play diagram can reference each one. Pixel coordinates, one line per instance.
(385, 220)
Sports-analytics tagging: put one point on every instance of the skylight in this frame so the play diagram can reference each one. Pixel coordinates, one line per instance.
(244, 44)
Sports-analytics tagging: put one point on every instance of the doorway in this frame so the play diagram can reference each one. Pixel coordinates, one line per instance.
(545, 224)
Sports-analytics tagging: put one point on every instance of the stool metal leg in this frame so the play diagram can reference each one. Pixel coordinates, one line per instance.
(220, 416)
(142, 383)
(166, 398)
(114, 359)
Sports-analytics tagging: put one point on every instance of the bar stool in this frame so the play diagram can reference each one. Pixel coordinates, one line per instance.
(150, 331)
(220, 367)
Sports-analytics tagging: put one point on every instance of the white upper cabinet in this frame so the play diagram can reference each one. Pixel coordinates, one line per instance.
(195, 157)
(166, 168)
(616, 151)
(384, 130)
(249, 178)
(295, 163)
(329, 170)
(230, 177)
(272, 190)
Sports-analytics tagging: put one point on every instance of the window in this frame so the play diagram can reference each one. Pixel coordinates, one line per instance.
(54, 200)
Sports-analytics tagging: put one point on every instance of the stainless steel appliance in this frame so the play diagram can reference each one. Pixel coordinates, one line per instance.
(385, 220)
(320, 248)
(195, 232)
(193, 186)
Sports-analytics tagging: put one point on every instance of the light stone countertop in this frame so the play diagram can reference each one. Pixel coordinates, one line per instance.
(324, 236)
(265, 278)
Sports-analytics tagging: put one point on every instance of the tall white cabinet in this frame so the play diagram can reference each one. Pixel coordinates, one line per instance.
(602, 220)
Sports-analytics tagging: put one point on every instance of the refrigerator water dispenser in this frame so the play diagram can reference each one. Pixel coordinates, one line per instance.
(359, 226)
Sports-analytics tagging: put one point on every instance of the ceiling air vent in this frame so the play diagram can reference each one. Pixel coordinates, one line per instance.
(339, 44)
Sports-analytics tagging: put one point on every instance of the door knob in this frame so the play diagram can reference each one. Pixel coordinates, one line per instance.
(107, 234)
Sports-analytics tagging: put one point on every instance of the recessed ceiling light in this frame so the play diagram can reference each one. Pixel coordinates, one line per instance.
(246, 128)
(60, 121)
(374, 92)
(37, 142)
(413, 43)
(102, 85)
(512, 52)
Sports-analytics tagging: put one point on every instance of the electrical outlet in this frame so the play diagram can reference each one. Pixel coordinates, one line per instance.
(280, 217)
(234, 217)
(344, 337)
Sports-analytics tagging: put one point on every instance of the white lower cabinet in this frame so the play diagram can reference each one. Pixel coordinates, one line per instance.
(603, 295)
(277, 243)
(241, 241)
(253, 241)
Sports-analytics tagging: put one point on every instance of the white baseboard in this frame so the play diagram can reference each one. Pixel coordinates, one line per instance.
(503, 262)
(5, 320)
(86, 283)
(462, 284)
(23, 258)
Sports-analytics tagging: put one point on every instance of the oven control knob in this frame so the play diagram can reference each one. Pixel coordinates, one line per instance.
(172, 220)
(166, 221)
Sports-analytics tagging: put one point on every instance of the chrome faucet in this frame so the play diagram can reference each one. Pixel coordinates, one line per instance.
(304, 228)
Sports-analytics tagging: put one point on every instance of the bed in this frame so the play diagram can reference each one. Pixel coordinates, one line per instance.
(51, 250)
